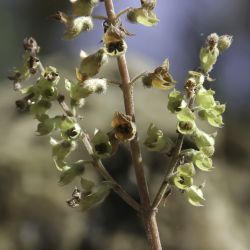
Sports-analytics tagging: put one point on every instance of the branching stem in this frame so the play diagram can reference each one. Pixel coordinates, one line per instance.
(148, 214)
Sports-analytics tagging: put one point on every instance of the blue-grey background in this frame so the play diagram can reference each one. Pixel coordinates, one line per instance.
(33, 214)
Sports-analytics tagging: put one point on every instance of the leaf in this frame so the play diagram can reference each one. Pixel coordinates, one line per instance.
(202, 161)
(195, 196)
(102, 191)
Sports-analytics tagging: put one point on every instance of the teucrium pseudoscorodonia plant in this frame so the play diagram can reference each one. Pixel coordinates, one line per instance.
(197, 101)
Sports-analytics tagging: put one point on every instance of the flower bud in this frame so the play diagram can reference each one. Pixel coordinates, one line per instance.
(209, 53)
(176, 101)
(124, 127)
(30, 45)
(83, 7)
(224, 42)
(195, 196)
(143, 15)
(91, 65)
(74, 26)
(78, 25)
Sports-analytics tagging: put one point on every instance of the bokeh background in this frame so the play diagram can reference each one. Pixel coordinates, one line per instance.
(33, 212)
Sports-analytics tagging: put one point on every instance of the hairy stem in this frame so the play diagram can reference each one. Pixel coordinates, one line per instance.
(149, 215)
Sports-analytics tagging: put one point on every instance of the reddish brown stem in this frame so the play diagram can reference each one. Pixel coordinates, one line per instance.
(148, 214)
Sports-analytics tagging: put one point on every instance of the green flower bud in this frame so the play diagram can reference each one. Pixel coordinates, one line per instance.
(142, 16)
(83, 7)
(186, 169)
(224, 42)
(77, 25)
(205, 98)
(70, 172)
(208, 150)
(157, 140)
(181, 181)
(208, 58)
(202, 161)
(186, 115)
(91, 65)
(202, 139)
(176, 101)
(102, 147)
(195, 196)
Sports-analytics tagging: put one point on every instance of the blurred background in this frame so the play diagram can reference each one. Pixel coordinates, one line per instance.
(33, 211)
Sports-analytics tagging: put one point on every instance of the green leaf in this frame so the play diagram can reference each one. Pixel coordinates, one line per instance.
(102, 191)
(69, 172)
(157, 140)
(102, 147)
(186, 115)
(195, 196)
(186, 169)
(176, 101)
(202, 161)
(87, 185)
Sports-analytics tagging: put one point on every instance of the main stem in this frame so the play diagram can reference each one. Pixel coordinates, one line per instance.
(148, 214)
